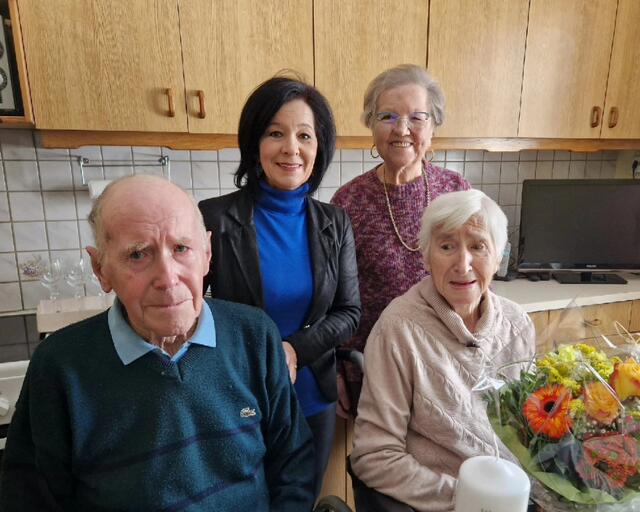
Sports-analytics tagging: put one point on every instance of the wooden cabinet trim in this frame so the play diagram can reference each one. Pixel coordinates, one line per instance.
(211, 141)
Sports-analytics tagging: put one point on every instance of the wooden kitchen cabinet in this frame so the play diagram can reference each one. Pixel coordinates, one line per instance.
(356, 40)
(634, 323)
(231, 46)
(597, 320)
(104, 64)
(476, 52)
(622, 105)
(566, 67)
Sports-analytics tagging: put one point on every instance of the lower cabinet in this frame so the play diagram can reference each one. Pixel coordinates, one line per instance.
(597, 324)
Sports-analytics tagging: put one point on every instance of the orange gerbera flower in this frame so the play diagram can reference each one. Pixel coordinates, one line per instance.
(547, 411)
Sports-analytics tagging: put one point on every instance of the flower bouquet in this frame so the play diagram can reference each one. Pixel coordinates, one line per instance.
(572, 419)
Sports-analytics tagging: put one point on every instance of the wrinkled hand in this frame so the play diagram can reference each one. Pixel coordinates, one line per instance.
(343, 408)
(291, 359)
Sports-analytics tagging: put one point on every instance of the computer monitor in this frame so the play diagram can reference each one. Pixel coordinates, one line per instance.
(580, 230)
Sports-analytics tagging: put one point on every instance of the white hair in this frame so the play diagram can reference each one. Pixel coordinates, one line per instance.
(404, 74)
(452, 210)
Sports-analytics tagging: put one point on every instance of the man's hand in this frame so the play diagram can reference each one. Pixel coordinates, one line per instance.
(292, 360)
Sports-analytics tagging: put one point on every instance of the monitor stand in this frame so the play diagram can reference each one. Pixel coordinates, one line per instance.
(588, 278)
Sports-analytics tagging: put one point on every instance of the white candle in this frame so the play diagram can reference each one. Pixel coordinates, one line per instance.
(490, 484)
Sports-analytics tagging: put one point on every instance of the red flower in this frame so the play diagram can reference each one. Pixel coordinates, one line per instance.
(608, 461)
(547, 411)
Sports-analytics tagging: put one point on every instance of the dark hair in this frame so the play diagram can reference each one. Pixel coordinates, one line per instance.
(258, 112)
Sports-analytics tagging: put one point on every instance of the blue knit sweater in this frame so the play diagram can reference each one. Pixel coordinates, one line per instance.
(287, 276)
(218, 430)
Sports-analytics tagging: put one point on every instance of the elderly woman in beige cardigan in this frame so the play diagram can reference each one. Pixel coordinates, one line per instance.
(418, 418)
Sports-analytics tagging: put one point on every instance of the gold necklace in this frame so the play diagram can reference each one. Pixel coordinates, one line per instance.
(386, 196)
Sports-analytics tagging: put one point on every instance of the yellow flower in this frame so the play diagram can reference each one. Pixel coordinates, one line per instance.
(626, 379)
(576, 407)
(599, 403)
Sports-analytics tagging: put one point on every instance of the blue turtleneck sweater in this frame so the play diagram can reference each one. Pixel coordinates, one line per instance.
(280, 217)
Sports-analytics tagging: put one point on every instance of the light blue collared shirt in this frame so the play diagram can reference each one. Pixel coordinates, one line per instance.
(130, 346)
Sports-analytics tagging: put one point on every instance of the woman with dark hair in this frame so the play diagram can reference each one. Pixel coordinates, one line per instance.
(277, 248)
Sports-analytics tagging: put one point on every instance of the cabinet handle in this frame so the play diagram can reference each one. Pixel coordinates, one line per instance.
(172, 106)
(202, 114)
(596, 112)
(613, 117)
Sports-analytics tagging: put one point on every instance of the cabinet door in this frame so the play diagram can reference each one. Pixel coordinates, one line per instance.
(634, 323)
(566, 66)
(590, 322)
(476, 51)
(231, 46)
(358, 39)
(104, 64)
(623, 89)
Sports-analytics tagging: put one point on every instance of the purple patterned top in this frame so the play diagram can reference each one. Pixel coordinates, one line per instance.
(386, 269)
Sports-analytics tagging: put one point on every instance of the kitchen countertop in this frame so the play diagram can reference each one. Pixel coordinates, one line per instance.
(548, 295)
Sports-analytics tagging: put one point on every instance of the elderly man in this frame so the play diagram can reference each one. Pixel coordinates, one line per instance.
(166, 401)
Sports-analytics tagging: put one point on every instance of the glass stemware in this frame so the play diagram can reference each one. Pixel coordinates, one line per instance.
(52, 277)
(76, 278)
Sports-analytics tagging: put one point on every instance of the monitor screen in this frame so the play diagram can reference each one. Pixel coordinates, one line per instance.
(580, 225)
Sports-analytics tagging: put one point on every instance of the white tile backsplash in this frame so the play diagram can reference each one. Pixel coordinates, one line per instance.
(491, 172)
(6, 237)
(38, 183)
(63, 234)
(26, 206)
(117, 153)
(22, 175)
(226, 172)
(59, 205)
(212, 174)
(30, 236)
(350, 170)
(56, 175)
(8, 267)
(4, 207)
(181, 174)
(10, 297)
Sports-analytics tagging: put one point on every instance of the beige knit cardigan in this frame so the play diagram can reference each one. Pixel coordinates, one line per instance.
(418, 419)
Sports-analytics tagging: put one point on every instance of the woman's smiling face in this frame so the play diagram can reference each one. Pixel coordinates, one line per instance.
(400, 146)
(289, 146)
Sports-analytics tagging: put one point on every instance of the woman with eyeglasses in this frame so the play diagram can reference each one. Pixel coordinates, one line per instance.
(402, 107)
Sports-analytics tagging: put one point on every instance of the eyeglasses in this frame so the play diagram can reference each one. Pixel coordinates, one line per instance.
(415, 120)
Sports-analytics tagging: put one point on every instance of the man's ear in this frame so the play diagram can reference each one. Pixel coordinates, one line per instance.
(207, 254)
(96, 265)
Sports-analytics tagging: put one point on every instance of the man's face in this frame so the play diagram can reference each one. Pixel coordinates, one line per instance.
(155, 257)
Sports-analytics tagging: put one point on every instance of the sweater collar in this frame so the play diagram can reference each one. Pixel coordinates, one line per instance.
(283, 201)
(454, 322)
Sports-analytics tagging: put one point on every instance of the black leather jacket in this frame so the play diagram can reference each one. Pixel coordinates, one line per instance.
(234, 275)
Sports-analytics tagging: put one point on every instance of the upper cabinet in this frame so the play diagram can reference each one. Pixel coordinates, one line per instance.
(176, 72)
(566, 67)
(356, 40)
(621, 117)
(476, 51)
(117, 65)
(105, 64)
(230, 46)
